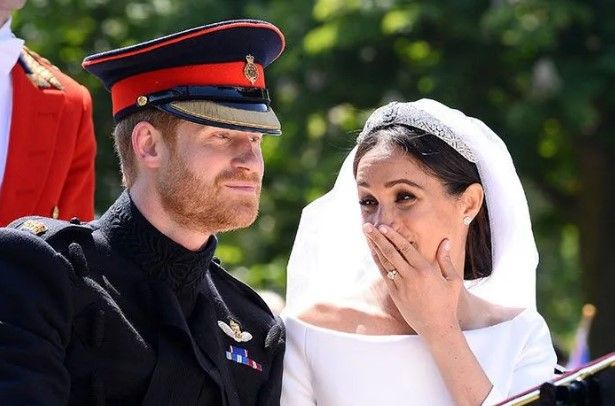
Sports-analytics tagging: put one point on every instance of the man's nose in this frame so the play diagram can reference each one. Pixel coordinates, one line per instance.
(248, 157)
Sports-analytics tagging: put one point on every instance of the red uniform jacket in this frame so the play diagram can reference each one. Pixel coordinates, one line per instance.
(50, 164)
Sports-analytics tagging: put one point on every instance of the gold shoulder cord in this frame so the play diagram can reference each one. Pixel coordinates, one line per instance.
(39, 74)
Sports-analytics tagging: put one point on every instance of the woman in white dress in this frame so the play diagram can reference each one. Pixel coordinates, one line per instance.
(412, 282)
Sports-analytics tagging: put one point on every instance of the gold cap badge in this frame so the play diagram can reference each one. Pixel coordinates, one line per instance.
(250, 71)
(33, 226)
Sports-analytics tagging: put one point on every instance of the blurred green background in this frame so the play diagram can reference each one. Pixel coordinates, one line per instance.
(541, 74)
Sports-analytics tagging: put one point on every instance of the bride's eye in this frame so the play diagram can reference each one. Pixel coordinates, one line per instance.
(405, 197)
(367, 201)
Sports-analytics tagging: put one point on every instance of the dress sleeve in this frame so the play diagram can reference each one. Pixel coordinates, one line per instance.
(36, 307)
(296, 383)
(535, 364)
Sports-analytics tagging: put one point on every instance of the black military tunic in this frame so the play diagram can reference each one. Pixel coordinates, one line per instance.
(114, 312)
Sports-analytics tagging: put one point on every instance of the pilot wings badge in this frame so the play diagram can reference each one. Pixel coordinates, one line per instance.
(234, 331)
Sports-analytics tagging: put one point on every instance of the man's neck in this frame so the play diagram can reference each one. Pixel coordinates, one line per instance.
(148, 202)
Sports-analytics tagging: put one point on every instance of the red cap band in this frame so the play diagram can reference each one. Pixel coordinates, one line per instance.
(125, 92)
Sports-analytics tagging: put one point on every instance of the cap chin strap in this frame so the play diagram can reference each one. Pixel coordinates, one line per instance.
(219, 94)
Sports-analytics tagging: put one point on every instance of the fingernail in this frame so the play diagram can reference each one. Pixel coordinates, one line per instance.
(447, 244)
(382, 229)
(368, 228)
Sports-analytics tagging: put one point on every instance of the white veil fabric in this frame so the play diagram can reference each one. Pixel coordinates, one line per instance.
(330, 256)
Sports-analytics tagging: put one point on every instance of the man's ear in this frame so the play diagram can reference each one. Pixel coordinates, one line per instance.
(147, 145)
(471, 200)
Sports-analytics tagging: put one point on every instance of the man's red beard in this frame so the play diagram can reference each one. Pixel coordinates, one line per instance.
(205, 207)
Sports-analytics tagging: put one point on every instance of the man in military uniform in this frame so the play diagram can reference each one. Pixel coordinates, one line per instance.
(133, 308)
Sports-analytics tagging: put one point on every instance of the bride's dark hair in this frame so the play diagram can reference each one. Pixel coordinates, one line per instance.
(456, 174)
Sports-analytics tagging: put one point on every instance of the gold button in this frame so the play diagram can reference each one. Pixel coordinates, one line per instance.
(141, 101)
(55, 213)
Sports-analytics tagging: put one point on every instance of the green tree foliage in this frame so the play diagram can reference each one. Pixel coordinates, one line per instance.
(538, 72)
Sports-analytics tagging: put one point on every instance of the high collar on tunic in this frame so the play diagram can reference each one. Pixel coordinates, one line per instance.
(159, 257)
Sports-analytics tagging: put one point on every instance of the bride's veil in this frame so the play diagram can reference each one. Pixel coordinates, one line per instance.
(330, 256)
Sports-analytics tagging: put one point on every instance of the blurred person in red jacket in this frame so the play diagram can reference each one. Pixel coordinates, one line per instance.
(47, 143)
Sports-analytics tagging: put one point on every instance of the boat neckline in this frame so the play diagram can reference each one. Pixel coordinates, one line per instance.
(384, 337)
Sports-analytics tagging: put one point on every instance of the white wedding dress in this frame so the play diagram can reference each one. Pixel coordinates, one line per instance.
(330, 368)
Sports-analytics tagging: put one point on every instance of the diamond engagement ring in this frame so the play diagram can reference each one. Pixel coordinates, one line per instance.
(392, 274)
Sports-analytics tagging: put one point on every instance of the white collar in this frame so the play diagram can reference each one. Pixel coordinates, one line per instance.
(10, 48)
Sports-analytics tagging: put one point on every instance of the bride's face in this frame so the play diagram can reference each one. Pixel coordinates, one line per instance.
(395, 190)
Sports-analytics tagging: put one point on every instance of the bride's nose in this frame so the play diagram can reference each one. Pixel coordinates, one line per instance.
(384, 215)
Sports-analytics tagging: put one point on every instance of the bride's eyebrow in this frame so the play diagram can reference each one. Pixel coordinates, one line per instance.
(408, 182)
(392, 183)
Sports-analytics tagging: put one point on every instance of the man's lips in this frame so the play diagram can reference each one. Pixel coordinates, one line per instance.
(242, 186)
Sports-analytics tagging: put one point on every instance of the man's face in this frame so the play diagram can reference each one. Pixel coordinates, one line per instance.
(211, 179)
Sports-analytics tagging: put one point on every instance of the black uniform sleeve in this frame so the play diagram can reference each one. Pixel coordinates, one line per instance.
(36, 307)
(270, 394)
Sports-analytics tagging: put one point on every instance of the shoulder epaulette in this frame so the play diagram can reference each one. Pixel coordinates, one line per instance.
(49, 229)
(38, 70)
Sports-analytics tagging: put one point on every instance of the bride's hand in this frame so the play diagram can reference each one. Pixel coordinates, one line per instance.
(427, 295)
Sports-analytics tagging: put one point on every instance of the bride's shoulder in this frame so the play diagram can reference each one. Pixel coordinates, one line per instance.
(333, 316)
(499, 314)
(483, 314)
(492, 314)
